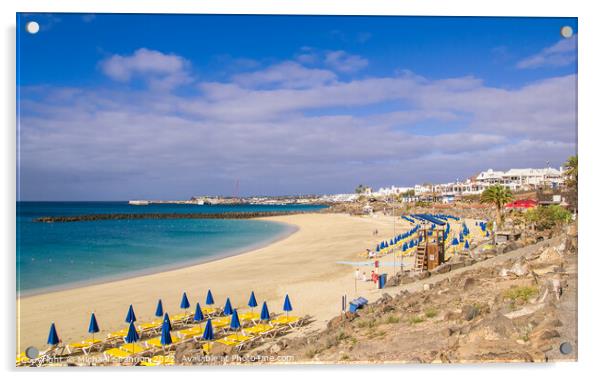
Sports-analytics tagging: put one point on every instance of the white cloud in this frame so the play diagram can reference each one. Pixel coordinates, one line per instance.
(286, 75)
(161, 71)
(562, 53)
(345, 62)
(286, 128)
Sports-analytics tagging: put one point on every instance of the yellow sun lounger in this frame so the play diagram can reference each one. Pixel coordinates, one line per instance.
(261, 330)
(207, 310)
(86, 345)
(182, 317)
(117, 354)
(150, 325)
(133, 348)
(156, 342)
(221, 322)
(158, 360)
(250, 316)
(237, 340)
(291, 321)
(22, 359)
(118, 334)
(190, 333)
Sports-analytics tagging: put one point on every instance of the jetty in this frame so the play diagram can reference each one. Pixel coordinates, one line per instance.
(225, 215)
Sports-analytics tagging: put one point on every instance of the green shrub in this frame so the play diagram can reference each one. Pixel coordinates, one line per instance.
(392, 319)
(521, 292)
(430, 312)
(546, 217)
(367, 323)
(415, 319)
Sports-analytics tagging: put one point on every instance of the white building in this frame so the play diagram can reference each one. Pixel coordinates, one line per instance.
(490, 177)
(339, 198)
(391, 191)
(522, 179)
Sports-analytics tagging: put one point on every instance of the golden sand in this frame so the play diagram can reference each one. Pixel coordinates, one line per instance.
(302, 265)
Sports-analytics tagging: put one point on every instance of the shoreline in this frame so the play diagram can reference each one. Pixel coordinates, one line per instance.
(289, 230)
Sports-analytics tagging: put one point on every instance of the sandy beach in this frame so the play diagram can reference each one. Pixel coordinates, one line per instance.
(302, 265)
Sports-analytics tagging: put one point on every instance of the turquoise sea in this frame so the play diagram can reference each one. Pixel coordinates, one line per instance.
(56, 255)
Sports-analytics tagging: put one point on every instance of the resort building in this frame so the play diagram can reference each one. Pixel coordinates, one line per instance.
(522, 179)
(514, 179)
(391, 191)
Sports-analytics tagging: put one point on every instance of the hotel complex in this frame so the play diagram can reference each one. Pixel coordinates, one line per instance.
(513, 179)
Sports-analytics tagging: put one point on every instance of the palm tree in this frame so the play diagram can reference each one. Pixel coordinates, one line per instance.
(498, 196)
(571, 171)
(360, 189)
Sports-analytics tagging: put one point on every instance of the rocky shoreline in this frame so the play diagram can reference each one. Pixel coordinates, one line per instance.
(517, 307)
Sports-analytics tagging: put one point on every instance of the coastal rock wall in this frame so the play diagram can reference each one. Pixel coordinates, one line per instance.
(226, 215)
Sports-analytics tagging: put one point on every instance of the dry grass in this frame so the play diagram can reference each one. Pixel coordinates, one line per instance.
(521, 292)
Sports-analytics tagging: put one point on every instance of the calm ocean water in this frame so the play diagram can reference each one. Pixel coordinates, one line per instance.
(62, 254)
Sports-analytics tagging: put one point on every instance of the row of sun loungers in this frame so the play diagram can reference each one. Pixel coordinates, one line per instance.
(150, 352)
(239, 340)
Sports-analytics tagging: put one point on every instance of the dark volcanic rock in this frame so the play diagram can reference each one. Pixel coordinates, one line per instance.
(225, 215)
(469, 312)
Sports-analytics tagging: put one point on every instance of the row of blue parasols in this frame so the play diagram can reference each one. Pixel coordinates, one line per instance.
(132, 335)
(386, 244)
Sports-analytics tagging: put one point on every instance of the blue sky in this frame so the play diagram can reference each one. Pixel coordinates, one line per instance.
(116, 107)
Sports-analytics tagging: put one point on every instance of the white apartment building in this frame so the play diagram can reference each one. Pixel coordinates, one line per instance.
(389, 191)
(514, 179)
(522, 179)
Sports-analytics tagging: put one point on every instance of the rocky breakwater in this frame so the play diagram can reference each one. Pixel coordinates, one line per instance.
(225, 215)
